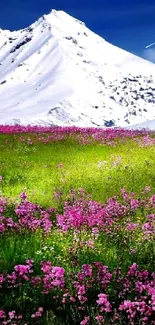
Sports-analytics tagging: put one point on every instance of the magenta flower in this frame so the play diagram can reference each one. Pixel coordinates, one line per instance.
(12, 314)
(100, 319)
(103, 303)
(131, 226)
(22, 269)
(23, 196)
(87, 270)
(60, 165)
(2, 314)
(85, 321)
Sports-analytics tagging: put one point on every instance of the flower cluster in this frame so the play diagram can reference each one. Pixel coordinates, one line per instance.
(134, 298)
(28, 216)
(82, 135)
(85, 290)
(83, 213)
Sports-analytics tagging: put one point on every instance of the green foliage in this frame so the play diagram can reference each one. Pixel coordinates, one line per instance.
(100, 169)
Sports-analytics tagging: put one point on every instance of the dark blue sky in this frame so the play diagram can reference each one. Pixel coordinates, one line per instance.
(129, 24)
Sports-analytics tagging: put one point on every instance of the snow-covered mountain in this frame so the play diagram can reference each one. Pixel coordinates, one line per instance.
(59, 72)
(149, 124)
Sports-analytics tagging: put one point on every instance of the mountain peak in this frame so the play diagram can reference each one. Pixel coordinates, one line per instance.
(57, 71)
(60, 14)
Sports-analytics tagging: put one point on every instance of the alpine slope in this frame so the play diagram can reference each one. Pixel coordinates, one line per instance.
(58, 72)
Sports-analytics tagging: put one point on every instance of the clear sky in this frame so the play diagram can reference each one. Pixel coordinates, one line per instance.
(129, 24)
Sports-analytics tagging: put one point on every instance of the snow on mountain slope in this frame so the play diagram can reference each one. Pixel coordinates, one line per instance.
(59, 72)
(150, 125)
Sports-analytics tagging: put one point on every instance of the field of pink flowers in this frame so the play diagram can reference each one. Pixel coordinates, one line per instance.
(80, 261)
(83, 135)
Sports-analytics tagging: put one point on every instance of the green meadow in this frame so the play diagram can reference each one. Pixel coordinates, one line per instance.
(48, 173)
(101, 170)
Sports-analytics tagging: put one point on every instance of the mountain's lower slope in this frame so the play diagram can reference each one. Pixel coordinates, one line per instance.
(59, 72)
(150, 125)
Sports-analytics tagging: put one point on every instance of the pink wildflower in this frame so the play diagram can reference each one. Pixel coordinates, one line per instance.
(85, 321)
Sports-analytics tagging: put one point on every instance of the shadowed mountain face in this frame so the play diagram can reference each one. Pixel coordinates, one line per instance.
(58, 72)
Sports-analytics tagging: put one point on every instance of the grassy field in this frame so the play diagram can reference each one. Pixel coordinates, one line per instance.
(101, 170)
(88, 208)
